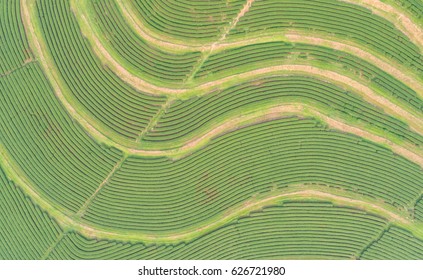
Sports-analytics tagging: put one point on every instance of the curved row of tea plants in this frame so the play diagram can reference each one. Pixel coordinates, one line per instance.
(414, 7)
(139, 55)
(418, 210)
(127, 123)
(246, 58)
(289, 230)
(162, 195)
(343, 19)
(58, 157)
(185, 119)
(26, 232)
(96, 185)
(14, 50)
(199, 20)
(396, 243)
(121, 108)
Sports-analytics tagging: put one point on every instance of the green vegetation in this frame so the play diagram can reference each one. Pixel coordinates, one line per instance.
(164, 195)
(414, 7)
(290, 230)
(350, 21)
(122, 109)
(396, 243)
(183, 120)
(270, 184)
(142, 57)
(14, 50)
(62, 161)
(237, 60)
(418, 210)
(203, 21)
(26, 232)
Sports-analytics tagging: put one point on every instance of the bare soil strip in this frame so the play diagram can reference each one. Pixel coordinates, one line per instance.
(139, 83)
(415, 123)
(278, 112)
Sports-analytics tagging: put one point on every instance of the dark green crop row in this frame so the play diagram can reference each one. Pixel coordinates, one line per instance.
(97, 89)
(164, 195)
(395, 244)
(59, 158)
(137, 53)
(186, 119)
(14, 49)
(343, 19)
(303, 229)
(188, 19)
(26, 232)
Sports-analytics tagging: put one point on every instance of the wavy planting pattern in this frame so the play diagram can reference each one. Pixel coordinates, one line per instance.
(63, 162)
(199, 20)
(121, 108)
(287, 170)
(14, 50)
(396, 243)
(237, 60)
(26, 232)
(185, 119)
(137, 54)
(164, 195)
(290, 230)
(350, 22)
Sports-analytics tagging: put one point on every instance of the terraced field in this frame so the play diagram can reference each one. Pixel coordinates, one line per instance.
(242, 129)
